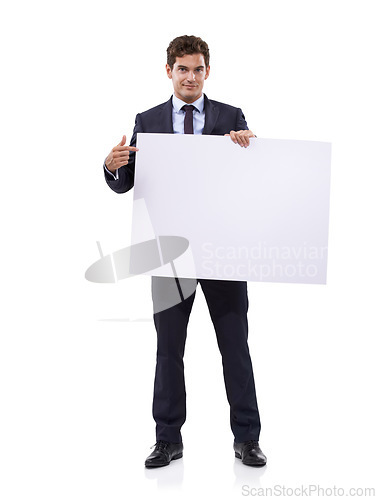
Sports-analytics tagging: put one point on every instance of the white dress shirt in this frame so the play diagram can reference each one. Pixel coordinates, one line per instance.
(178, 115)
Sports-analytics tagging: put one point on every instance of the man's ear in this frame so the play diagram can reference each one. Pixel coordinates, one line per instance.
(207, 72)
(169, 71)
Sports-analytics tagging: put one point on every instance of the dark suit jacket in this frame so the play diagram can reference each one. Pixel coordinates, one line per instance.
(220, 119)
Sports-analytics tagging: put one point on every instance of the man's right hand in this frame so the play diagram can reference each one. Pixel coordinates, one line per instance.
(119, 155)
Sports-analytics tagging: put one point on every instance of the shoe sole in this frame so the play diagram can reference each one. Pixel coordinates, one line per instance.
(153, 466)
(254, 464)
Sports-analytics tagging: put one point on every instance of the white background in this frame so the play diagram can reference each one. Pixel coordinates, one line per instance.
(76, 373)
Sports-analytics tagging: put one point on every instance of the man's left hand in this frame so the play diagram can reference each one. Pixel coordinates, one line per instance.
(241, 137)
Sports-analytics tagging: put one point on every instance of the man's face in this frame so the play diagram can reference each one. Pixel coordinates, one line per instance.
(188, 76)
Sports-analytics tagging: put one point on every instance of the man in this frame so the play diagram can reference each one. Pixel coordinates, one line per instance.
(190, 111)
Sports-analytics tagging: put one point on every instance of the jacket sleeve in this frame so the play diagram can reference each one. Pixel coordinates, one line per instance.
(124, 180)
(241, 123)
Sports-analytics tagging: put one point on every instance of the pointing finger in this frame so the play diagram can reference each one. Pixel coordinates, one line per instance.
(125, 148)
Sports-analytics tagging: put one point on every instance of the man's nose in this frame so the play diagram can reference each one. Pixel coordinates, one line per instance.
(191, 76)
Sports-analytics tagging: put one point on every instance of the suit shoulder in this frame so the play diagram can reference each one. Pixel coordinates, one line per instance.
(224, 106)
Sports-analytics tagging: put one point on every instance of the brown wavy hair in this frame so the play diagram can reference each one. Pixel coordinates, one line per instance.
(185, 44)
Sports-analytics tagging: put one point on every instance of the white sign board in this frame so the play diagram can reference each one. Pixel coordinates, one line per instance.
(252, 214)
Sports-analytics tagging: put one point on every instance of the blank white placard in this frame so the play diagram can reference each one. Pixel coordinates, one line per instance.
(254, 214)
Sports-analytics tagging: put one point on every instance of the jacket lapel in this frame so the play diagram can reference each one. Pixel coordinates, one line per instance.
(165, 118)
(211, 116)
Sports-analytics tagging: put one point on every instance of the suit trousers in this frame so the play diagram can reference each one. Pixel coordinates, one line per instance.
(228, 305)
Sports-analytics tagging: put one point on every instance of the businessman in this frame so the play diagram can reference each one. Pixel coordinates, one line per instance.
(189, 111)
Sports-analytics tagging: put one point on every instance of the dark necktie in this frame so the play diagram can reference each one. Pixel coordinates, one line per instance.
(188, 120)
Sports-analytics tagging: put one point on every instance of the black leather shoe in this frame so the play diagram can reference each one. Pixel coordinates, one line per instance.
(250, 453)
(163, 453)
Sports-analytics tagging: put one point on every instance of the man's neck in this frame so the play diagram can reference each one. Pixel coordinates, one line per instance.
(198, 103)
(189, 101)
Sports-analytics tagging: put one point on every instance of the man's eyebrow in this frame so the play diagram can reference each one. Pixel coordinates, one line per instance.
(185, 67)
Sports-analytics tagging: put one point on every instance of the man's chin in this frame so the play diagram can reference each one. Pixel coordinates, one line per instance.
(191, 96)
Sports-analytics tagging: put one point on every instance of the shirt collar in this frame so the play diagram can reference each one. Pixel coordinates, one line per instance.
(178, 103)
